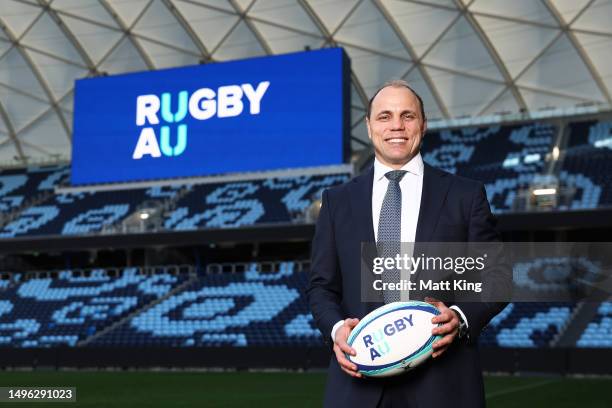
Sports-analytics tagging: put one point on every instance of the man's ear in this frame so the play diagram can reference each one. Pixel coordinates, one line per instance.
(367, 120)
(424, 128)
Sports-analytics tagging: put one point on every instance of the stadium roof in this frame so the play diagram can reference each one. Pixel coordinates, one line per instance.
(466, 58)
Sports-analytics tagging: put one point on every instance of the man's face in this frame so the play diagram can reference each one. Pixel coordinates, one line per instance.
(395, 126)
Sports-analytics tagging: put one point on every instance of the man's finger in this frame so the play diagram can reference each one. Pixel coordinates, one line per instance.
(348, 367)
(444, 329)
(443, 317)
(438, 352)
(346, 348)
(343, 361)
(443, 342)
(351, 322)
(351, 373)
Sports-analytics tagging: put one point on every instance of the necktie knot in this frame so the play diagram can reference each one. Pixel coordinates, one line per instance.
(395, 175)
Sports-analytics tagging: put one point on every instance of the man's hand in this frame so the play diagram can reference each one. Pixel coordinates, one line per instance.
(341, 347)
(448, 329)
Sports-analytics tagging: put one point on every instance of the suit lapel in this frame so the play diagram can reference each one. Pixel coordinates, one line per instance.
(361, 214)
(435, 187)
(361, 205)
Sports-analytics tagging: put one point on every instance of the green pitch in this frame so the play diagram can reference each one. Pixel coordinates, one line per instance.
(190, 389)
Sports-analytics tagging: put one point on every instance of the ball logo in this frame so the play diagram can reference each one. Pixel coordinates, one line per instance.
(376, 341)
(202, 104)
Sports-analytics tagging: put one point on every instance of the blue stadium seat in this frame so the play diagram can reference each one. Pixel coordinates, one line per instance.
(527, 325)
(587, 166)
(216, 205)
(598, 332)
(45, 312)
(16, 186)
(249, 309)
(504, 158)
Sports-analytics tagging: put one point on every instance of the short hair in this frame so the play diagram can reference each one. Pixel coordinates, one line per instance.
(396, 83)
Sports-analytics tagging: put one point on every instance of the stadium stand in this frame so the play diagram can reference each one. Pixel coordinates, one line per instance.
(63, 310)
(587, 166)
(246, 309)
(504, 158)
(20, 188)
(598, 332)
(232, 304)
(509, 159)
(527, 325)
(167, 308)
(237, 204)
(215, 205)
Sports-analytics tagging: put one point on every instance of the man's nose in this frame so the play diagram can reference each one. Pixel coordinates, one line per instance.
(397, 123)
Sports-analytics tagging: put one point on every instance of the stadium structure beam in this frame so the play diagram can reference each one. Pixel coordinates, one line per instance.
(536, 23)
(341, 23)
(509, 84)
(316, 21)
(574, 41)
(225, 37)
(127, 32)
(414, 57)
(489, 15)
(164, 44)
(244, 16)
(430, 47)
(258, 20)
(41, 115)
(64, 13)
(592, 32)
(11, 133)
(463, 73)
(53, 56)
(548, 46)
(69, 34)
(188, 29)
(373, 51)
(555, 93)
(37, 74)
(364, 98)
(22, 92)
(329, 40)
(36, 147)
(470, 16)
(358, 121)
(525, 69)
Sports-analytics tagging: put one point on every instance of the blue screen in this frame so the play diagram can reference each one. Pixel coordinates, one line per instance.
(267, 113)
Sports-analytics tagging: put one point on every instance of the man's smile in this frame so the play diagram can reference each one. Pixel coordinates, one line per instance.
(396, 140)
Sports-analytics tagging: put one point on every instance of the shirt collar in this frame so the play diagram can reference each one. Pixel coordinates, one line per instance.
(414, 166)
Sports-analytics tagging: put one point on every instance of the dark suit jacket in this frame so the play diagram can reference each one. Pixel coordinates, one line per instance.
(452, 208)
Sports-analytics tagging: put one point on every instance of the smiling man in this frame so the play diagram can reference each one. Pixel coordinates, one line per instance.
(400, 199)
(396, 124)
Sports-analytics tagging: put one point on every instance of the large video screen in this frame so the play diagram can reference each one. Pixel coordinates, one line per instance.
(258, 114)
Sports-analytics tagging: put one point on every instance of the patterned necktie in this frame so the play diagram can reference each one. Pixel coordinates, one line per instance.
(390, 230)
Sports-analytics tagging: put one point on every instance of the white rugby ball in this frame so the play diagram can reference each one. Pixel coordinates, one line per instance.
(393, 339)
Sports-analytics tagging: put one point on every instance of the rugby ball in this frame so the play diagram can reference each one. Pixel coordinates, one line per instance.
(393, 339)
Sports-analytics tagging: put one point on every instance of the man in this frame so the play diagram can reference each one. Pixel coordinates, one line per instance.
(435, 206)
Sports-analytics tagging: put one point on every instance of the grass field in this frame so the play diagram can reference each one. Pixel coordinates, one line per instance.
(241, 389)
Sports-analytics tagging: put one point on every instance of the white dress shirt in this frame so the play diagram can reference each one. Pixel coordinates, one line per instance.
(412, 187)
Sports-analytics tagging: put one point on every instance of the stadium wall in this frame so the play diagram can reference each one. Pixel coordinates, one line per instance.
(561, 361)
